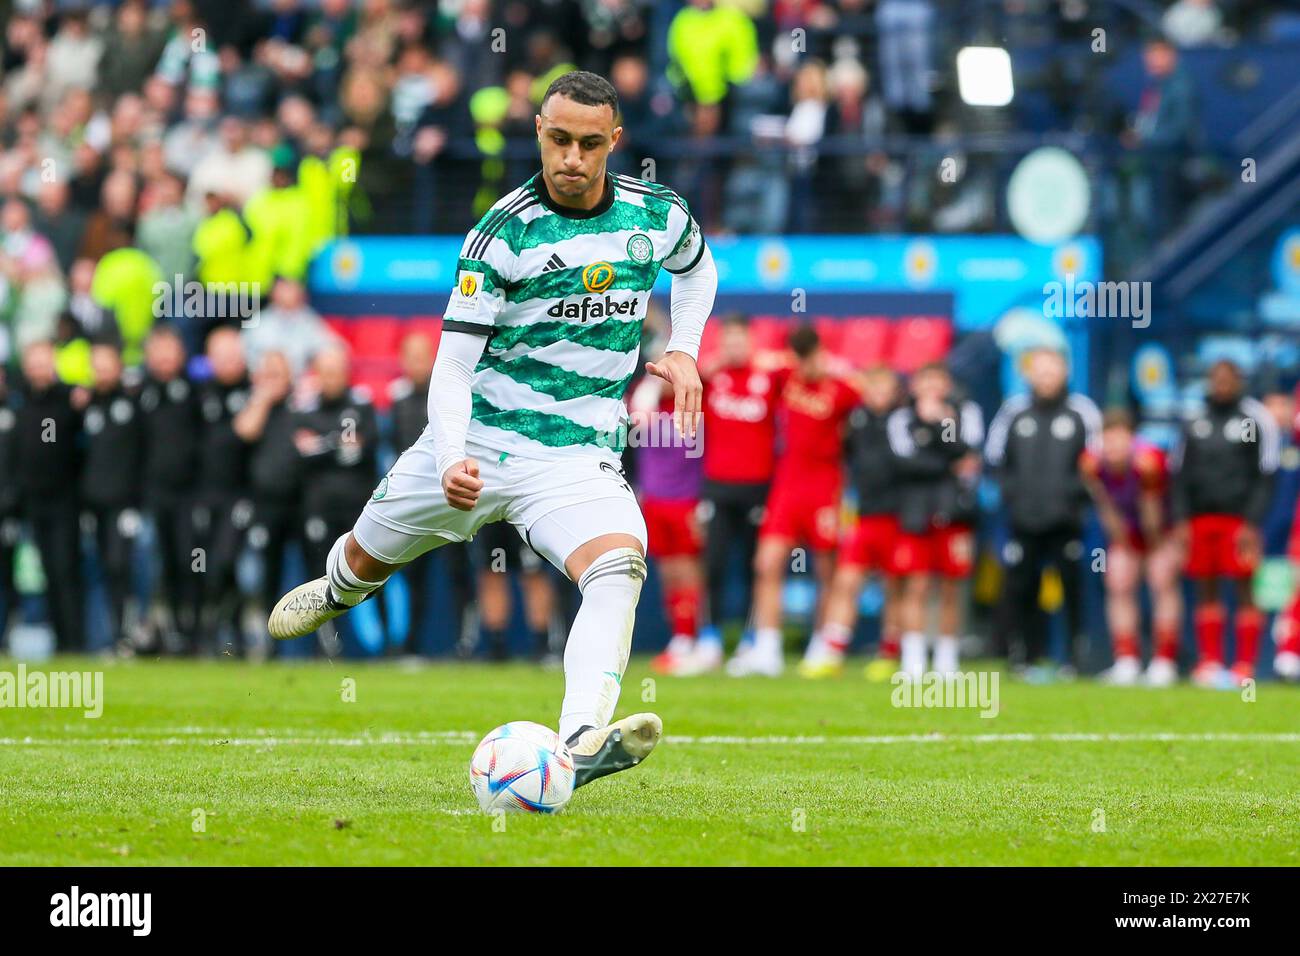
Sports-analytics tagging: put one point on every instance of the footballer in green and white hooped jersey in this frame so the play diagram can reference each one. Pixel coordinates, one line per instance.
(527, 423)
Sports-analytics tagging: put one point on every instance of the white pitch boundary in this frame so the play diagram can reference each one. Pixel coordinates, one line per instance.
(195, 736)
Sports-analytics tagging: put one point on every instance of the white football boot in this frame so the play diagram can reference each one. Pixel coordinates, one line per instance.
(705, 658)
(303, 610)
(1161, 672)
(750, 661)
(1287, 665)
(599, 751)
(1211, 674)
(1123, 673)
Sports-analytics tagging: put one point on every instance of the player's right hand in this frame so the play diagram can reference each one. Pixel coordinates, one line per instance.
(462, 485)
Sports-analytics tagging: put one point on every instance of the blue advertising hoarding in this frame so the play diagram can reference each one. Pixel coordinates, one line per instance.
(977, 278)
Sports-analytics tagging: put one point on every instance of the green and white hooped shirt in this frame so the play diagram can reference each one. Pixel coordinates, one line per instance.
(561, 295)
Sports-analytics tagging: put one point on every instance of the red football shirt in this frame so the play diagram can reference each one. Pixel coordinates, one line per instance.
(811, 418)
(739, 425)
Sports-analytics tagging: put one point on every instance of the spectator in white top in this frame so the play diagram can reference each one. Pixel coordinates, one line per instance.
(291, 326)
(74, 56)
(235, 168)
(193, 137)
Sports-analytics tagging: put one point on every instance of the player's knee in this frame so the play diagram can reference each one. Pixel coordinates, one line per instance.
(621, 568)
(770, 562)
(363, 564)
(585, 556)
(1119, 580)
(847, 582)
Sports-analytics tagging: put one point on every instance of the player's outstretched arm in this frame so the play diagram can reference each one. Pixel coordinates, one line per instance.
(449, 410)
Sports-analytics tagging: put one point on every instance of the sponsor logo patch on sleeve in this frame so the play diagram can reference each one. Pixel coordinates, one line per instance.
(465, 299)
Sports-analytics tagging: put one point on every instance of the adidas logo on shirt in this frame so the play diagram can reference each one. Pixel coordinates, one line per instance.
(553, 263)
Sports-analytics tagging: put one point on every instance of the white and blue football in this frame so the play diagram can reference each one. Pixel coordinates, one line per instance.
(522, 767)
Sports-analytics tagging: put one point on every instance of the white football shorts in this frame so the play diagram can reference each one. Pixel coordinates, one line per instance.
(556, 506)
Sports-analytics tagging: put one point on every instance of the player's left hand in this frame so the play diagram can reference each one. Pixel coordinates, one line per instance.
(678, 370)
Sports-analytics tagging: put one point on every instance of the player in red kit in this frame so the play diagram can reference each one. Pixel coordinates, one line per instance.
(738, 436)
(1128, 480)
(803, 506)
(868, 545)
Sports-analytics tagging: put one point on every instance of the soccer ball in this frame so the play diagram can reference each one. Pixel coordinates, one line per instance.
(522, 767)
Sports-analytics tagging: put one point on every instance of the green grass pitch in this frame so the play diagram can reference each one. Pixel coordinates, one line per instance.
(229, 763)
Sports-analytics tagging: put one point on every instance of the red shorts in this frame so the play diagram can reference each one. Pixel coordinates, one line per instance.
(870, 544)
(807, 512)
(1133, 539)
(1216, 551)
(948, 552)
(671, 529)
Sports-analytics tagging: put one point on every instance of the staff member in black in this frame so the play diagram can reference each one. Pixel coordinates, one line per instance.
(110, 478)
(10, 503)
(1224, 467)
(223, 508)
(169, 409)
(267, 425)
(1034, 444)
(337, 435)
(48, 426)
(935, 438)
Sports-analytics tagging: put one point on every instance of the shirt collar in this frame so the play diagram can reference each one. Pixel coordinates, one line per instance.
(544, 195)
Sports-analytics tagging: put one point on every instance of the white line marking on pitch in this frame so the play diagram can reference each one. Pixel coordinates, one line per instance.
(195, 736)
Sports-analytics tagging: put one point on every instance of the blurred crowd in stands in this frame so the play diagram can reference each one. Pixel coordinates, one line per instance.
(226, 140)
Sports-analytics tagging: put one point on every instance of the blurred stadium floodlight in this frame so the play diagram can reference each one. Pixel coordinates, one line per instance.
(984, 76)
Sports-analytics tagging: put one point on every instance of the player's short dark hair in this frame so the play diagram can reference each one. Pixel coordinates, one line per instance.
(165, 330)
(585, 88)
(936, 366)
(737, 319)
(1118, 417)
(804, 341)
(880, 370)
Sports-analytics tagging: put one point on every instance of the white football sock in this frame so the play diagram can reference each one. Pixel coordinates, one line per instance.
(346, 587)
(945, 654)
(836, 638)
(601, 639)
(912, 654)
(767, 640)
